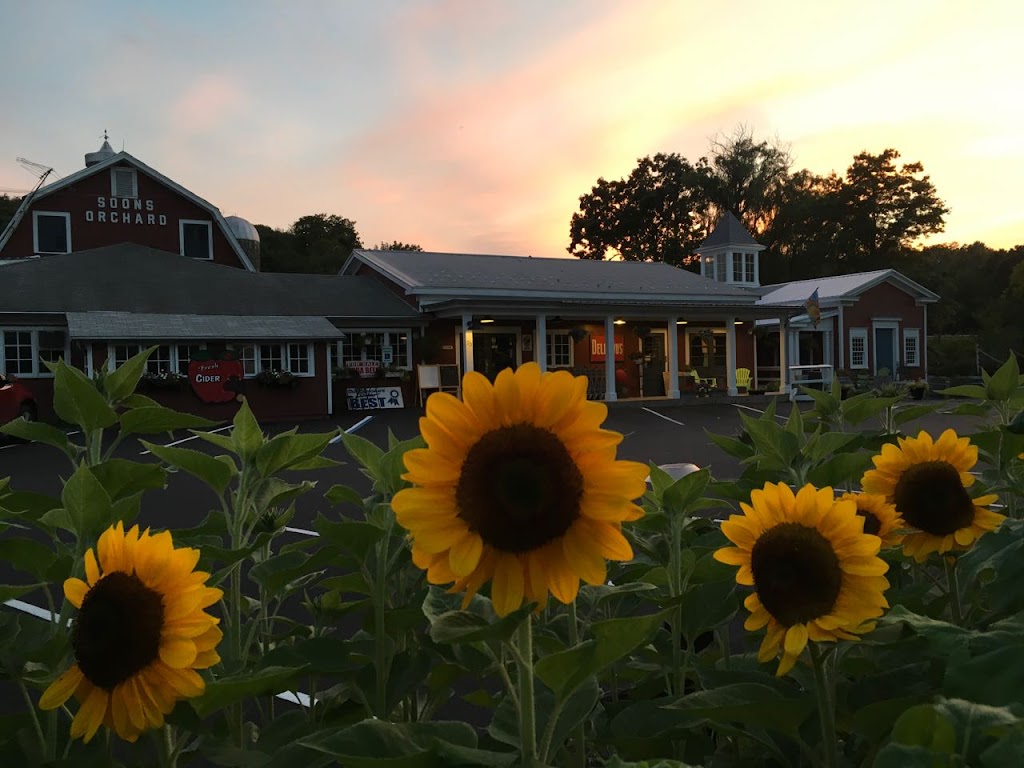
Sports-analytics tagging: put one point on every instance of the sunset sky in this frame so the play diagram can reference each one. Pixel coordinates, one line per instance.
(474, 126)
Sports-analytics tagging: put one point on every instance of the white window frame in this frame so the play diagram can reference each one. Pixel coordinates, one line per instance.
(39, 369)
(209, 237)
(915, 334)
(35, 229)
(290, 359)
(549, 350)
(859, 333)
(250, 352)
(134, 183)
(390, 340)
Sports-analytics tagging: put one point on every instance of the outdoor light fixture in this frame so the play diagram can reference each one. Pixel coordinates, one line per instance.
(682, 322)
(738, 322)
(619, 321)
(486, 319)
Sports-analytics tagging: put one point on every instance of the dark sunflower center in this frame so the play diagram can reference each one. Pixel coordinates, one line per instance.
(519, 488)
(931, 497)
(872, 524)
(117, 632)
(796, 573)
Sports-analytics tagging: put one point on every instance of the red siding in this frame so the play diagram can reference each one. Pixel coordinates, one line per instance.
(83, 201)
(885, 302)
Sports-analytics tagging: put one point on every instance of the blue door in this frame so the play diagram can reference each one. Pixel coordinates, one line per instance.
(885, 350)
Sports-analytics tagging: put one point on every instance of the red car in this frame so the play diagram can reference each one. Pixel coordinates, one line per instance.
(16, 401)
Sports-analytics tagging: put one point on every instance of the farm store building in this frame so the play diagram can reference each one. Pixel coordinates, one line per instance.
(116, 258)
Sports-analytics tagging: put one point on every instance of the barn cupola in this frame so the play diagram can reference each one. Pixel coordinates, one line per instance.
(730, 254)
(104, 152)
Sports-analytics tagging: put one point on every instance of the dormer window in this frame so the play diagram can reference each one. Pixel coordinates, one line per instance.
(123, 183)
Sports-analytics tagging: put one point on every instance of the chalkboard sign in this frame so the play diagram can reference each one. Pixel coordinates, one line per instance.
(450, 377)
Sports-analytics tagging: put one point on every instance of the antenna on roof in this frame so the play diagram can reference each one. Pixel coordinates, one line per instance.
(36, 169)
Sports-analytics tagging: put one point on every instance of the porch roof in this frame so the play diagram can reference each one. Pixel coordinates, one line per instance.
(102, 326)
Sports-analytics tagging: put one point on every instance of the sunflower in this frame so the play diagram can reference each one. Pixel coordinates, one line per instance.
(816, 574)
(880, 517)
(140, 634)
(519, 486)
(927, 482)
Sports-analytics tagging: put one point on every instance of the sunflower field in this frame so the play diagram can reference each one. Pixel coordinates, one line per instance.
(505, 591)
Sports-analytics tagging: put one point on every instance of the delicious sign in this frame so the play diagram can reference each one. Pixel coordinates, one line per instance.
(599, 348)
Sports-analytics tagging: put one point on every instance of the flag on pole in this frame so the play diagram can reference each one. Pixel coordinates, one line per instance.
(813, 308)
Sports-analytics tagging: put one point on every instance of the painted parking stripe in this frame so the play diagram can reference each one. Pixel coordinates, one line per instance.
(186, 439)
(663, 416)
(757, 410)
(357, 426)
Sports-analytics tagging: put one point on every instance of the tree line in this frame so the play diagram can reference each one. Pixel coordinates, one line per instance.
(873, 216)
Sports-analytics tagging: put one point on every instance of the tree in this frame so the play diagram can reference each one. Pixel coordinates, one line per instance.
(8, 207)
(395, 245)
(749, 178)
(315, 244)
(657, 214)
(885, 209)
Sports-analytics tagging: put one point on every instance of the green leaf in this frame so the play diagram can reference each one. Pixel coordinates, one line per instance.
(466, 627)
(342, 494)
(138, 401)
(681, 495)
(77, 401)
(751, 704)
(575, 710)
(39, 433)
(215, 473)
(224, 442)
(966, 390)
(11, 591)
(995, 678)
(923, 726)
(353, 536)
(155, 418)
(565, 671)
(863, 407)
(392, 465)
(903, 756)
(380, 744)
(225, 691)
(87, 503)
(946, 638)
(121, 477)
(1006, 752)
(246, 437)
(27, 555)
(285, 451)
(121, 382)
(1003, 384)
(841, 469)
(911, 412)
(365, 452)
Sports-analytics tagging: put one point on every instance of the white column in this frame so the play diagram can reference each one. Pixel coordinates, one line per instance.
(673, 358)
(783, 353)
(923, 351)
(467, 345)
(540, 343)
(330, 376)
(609, 360)
(730, 355)
(841, 341)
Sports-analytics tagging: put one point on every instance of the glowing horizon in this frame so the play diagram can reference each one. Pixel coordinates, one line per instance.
(475, 127)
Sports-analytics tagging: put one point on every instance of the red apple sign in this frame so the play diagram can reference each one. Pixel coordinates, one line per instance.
(213, 380)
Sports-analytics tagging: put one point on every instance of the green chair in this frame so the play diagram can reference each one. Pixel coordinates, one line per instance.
(743, 379)
(698, 380)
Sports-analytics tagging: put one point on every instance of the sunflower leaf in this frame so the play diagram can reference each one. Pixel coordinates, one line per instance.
(121, 382)
(215, 473)
(153, 419)
(466, 627)
(225, 691)
(87, 504)
(77, 401)
(246, 437)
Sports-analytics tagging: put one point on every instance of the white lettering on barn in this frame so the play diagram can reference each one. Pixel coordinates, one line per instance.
(125, 210)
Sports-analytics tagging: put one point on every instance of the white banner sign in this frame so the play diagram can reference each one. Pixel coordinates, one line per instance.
(374, 398)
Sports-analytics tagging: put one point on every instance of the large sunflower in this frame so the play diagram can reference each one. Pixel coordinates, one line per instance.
(518, 485)
(880, 517)
(927, 482)
(139, 636)
(816, 574)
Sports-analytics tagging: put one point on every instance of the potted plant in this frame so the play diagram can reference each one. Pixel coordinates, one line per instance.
(918, 388)
(167, 380)
(275, 378)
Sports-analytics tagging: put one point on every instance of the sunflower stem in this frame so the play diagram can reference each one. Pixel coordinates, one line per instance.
(579, 756)
(36, 726)
(675, 585)
(380, 649)
(954, 590)
(826, 712)
(527, 713)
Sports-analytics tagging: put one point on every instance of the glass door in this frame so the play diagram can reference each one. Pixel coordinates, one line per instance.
(493, 352)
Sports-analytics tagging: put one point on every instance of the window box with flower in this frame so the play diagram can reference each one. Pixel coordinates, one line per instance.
(275, 378)
(165, 380)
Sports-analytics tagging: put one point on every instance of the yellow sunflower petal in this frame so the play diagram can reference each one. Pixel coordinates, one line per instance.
(606, 537)
(61, 689)
(796, 639)
(507, 586)
(584, 557)
(75, 591)
(177, 653)
(464, 556)
(92, 568)
(90, 715)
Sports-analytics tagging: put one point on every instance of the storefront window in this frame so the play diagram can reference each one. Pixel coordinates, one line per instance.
(271, 357)
(160, 361)
(559, 350)
(372, 345)
(707, 349)
(298, 359)
(186, 352)
(18, 357)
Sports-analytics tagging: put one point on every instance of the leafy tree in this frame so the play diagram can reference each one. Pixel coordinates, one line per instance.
(8, 206)
(396, 245)
(314, 244)
(658, 213)
(749, 178)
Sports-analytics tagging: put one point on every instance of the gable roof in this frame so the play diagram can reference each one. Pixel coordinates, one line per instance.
(728, 231)
(439, 276)
(124, 157)
(134, 278)
(839, 287)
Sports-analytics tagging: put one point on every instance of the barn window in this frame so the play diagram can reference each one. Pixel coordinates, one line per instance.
(51, 232)
(196, 239)
(123, 183)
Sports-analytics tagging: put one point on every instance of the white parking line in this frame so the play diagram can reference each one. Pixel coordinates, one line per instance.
(756, 410)
(663, 416)
(186, 439)
(358, 425)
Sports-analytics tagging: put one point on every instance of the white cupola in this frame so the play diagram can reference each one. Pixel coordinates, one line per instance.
(730, 254)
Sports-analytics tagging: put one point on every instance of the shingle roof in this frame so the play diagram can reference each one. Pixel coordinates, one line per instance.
(134, 278)
(464, 275)
(838, 287)
(130, 325)
(728, 231)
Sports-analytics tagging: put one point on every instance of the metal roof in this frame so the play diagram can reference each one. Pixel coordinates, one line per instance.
(134, 278)
(839, 287)
(90, 326)
(461, 275)
(728, 231)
